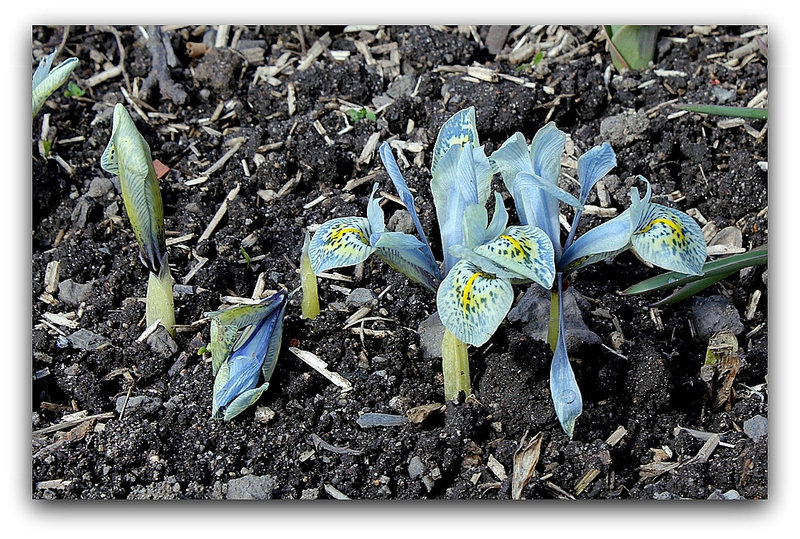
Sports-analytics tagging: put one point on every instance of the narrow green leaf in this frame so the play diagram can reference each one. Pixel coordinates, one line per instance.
(692, 288)
(717, 270)
(732, 112)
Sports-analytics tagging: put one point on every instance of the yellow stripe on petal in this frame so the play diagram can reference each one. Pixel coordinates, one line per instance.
(343, 241)
(472, 303)
(671, 240)
(525, 250)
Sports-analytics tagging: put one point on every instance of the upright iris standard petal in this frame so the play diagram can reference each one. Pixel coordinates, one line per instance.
(528, 179)
(460, 130)
(128, 156)
(454, 188)
(472, 303)
(670, 239)
(407, 198)
(499, 219)
(525, 250)
(473, 225)
(593, 165)
(343, 241)
(547, 147)
(563, 387)
(599, 243)
(375, 215)
(531, 176)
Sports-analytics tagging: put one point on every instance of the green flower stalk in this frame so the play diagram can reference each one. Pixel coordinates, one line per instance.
(455, 366)
(128, 156)
(308, 282)
(45, 81)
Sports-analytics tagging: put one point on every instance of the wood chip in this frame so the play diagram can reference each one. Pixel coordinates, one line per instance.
(752, 304)
(61, 320)
(235, 145)
(321, 367)
(369, 148)
(335, 493)
(616, 436)
(71, 420)
(525, 459)
(223, 208)
(586, 480)
(316, 49)
(496, 468)
(418, 414)
(51, 276)
(352, 184)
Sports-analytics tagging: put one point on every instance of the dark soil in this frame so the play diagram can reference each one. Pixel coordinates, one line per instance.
(297, 147)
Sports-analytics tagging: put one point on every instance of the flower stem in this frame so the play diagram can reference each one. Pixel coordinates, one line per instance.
(308, 280)
(160, 303)
(455, 366)
(552, 328)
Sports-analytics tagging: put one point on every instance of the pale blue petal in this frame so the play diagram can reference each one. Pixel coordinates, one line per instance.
(389, 162)
(375, 213)
(546, 149)
(454, 188)
(474, 224)
(459, 130)
(593, 165)
(472, 303)
(537, 208)
(599, 243)
(499, 219)
(411, 263)
(404, 250)
(340, 242)
(564, 390)
(483, 174)
(670, 239)
(525, 178)
(510, 159)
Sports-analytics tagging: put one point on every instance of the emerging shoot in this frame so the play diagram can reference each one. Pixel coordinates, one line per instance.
(128, 156)
(45, 81)
(245, 343)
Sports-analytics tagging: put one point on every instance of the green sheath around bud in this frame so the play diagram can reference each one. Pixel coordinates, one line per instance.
(128, 156)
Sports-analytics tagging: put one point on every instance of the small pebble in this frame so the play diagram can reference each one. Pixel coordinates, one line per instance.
(756, 427)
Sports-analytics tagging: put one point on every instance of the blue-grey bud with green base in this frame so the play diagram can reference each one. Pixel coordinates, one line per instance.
(245, 344)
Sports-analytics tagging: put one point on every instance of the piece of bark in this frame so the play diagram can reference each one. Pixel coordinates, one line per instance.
(159, 69)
